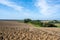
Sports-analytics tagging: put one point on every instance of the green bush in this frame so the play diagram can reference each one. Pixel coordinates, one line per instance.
(48, 25)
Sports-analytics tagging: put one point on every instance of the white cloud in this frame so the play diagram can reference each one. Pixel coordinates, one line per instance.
(11, 4)
(23, 12)
(45, 8)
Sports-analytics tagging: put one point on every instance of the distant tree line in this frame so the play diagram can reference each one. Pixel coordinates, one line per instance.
(41, 24)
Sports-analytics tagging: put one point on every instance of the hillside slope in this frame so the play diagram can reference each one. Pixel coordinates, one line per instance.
(13, 30)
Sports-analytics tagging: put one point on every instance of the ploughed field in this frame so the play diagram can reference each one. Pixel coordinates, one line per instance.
(13, 30)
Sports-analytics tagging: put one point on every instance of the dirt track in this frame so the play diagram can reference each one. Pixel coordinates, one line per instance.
(12, 30)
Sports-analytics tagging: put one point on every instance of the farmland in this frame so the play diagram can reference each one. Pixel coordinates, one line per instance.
(13, 30)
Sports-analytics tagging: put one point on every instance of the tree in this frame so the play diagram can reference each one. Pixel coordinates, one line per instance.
(27, 20)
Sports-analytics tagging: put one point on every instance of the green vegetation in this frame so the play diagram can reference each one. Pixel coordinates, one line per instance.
(36, 22)
(27, 20)
(48, 25)
(43, 23)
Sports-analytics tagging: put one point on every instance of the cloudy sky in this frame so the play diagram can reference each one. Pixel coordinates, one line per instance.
(33, 9)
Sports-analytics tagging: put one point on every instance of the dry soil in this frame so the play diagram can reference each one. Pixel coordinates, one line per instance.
(13, 30)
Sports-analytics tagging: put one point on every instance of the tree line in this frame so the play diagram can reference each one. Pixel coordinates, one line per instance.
(41, 23)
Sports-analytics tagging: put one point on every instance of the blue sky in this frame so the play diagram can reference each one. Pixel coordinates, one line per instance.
(33, 9)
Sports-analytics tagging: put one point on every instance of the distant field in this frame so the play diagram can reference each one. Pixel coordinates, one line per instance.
(58, 24)
(13, 30)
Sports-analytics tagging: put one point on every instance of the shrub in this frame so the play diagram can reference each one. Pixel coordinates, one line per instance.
(52, 25)
(48, 25)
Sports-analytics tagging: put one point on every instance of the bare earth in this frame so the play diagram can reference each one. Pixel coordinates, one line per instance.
(12, 30)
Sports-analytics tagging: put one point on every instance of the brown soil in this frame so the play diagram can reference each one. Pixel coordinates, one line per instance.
(12, 30)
